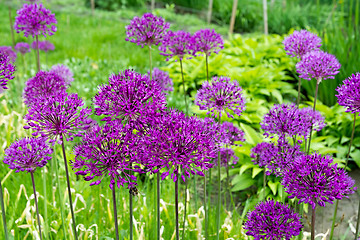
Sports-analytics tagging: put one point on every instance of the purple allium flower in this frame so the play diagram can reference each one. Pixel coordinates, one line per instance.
(226, 155)
(231, 134)
(35, 19)
(58, 116)
(107, 151)
(64, 72)
(180, 144)
(27, 154)
(7, 70)
(207, 41)
(176, 44)
(319, 65)
(163, 79)
(276, 158)
(349, 93)
(43, 46)
(300, 43)
(7, 50)
(221, 94)
(314, 179)
(43, 85)
(311, 117)
(127, 95)
(22, 47)
(273, 220)
(147, 30)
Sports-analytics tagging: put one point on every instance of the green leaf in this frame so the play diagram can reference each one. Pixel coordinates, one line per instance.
(273, 186)
(256, 171)
(242, 182)
(245, 167)
(251, 135)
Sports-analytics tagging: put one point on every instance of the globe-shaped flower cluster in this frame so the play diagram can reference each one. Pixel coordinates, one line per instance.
(349, 94)
(207, 41)
(301, 42)
(22, 47)
(7, 70)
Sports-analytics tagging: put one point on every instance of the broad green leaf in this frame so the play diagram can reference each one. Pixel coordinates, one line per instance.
(256, 171)
(243, 181)
(251, 135)
(273, 186)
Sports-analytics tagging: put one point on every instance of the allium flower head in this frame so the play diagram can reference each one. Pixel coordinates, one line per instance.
(64, 72)
(22, 47)
(314, 179)
(276, 158)
(319, 65)
(7, 70)
(163, 79)
(207, 41)
(300, 43)
(35, 19)
(43, 85)
(107, 151)
(230, 134)
(182, 145)
(349, 94)
(272, 220)
(147, 30)
(220, 95)
(127, 95)
(7, 50)
(58, 116)
(176, 44)
(43, 46)
(227, 157)
(286, 120)
(27, 154)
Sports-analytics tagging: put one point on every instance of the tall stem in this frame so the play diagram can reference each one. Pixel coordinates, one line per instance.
(207, 67)
(11, 28)
(218, 212)
(177, 205)
(68, 187)
(115, 212)
(131, 208)
(311, 128)
(299, 88)
(346, 163)
(205, 209)
(60, 199)
(301, 212)
(195, 192)
(264, 183)
(3, 212)
(150, 62)
(36, 204)
(37, 54)
(183, 81)
(158, 204)
(313, 223)
(45, 203)
(185, 204)
(357, 223)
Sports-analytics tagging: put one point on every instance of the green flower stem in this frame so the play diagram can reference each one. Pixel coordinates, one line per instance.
(115, 213)
(183, 81)
(218, 207)
(11, 28)
(185, 204)
(346, 163)
(60, 199)
(195, 192)
(357, 224)
(311, 128)
(36, 204)
(299, 89)
(208, 207)
(158, 204)
(313, 223)
(301, 212)
(177, 205)
(68, 187)
(131, 209)
(205, 209)
(3, 212)
(37, 54)
(264, 183)
(150, 62)
(46, 232)
(207, 67)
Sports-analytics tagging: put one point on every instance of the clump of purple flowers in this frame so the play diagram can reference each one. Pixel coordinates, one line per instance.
(163, 79)
(276, 158)
(179, 144)
(319, 65)
(43, 46)
(219, 95)
(314, 179)
(7, 50)
(286, 120)
(64, 72)
(273, 220)
(22, 47)
(300, 43)
(147, 30)
(43, 85)
(226, 155)
(178, 44)
(230, 134)
(35, 19)
(207, 41)
(27, 154)
(7, 70)
(127, 95)
(349, 93)
(107, 151)
(58, 116)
